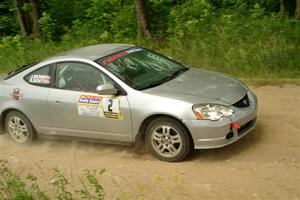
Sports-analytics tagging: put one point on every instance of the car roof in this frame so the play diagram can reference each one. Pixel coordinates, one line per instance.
(93, 52)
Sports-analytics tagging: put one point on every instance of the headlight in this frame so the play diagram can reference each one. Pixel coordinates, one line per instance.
(212, 111)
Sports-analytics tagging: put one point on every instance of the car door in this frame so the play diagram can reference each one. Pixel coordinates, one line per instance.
(77, 110)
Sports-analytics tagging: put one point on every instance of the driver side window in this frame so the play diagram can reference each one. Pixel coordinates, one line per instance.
(78, 76)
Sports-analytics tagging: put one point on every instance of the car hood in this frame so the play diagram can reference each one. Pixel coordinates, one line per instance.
(201, 86)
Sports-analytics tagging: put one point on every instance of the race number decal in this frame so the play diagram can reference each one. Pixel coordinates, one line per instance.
(111, 108)
(89, 105)
(98, 106)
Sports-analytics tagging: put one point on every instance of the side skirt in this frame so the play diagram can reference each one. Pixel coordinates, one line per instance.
(91, 140)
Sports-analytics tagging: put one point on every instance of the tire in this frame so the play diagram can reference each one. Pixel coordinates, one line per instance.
(19, 128)
(168, 139)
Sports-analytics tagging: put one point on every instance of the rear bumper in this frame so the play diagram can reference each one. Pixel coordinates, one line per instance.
(208, 134)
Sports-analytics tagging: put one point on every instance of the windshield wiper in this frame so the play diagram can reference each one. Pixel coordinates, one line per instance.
(167, 78)
(178, 72)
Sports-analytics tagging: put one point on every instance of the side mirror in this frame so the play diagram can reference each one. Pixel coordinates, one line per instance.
(106, 89)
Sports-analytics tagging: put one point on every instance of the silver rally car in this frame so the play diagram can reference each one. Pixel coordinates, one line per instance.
(122, 93)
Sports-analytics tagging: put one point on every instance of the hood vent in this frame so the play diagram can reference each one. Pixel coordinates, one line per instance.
(244, 102)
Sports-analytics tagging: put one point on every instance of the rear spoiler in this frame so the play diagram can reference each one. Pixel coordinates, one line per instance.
(18, 70)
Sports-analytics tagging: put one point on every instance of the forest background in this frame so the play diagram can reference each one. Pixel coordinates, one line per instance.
(246, 38)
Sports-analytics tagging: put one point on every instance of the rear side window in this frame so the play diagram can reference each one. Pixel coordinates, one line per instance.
(40, 77)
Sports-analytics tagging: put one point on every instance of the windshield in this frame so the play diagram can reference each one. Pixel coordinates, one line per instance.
(142, 69)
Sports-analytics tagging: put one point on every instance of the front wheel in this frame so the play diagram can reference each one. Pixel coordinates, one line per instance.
(19, 127)
(168, 139)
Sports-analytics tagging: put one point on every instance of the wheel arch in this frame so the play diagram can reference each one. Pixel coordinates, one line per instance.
(140, 137)
(5, 113)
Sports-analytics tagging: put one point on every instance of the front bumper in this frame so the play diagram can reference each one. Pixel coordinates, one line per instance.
(209, 134)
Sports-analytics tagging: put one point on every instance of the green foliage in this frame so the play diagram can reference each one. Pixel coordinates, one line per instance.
(60, 184)
(8, 25)
(27, 7)
(14, 187)
(244, 38)
(48, 26)
(159, 15)
(105, 20)
(95, 191)
(243, 48)
(61, 14)
(256, 44)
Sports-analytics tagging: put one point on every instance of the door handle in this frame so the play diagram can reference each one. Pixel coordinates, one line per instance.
(58, 101)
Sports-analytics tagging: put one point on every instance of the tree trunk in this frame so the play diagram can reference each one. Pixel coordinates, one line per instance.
(282, 8)
(142, 17)
(35, 17)
(297, 12)
(21, 17)
(27, 20)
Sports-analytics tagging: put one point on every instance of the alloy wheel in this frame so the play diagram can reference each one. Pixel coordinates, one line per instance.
(17, 129)
(166, 141)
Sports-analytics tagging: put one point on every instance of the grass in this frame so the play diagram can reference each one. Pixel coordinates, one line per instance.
(270, 56)
(196, 55)
(271, 81)
(22, 53)
(256, 49)
(16, 185)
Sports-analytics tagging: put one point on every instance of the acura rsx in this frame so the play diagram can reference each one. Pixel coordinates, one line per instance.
(121, 93)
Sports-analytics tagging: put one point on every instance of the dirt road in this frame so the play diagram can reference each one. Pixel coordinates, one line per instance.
(262, 165)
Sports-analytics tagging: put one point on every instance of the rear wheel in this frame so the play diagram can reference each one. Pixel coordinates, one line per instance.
(19, 127)
(168, 139)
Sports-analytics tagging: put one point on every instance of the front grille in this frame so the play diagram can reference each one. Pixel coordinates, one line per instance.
(244, 102)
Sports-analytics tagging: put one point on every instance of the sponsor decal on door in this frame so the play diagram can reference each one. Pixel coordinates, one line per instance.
(98, 106)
